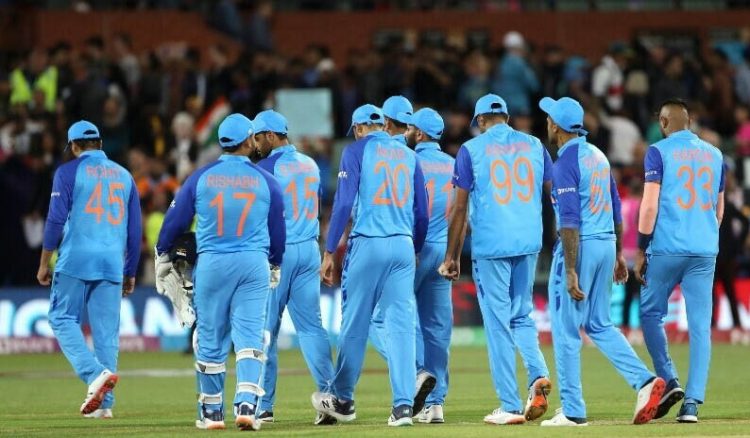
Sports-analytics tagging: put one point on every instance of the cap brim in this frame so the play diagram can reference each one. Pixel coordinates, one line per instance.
(474, 123)
(405, 118)
(349, 132)
(546, 104)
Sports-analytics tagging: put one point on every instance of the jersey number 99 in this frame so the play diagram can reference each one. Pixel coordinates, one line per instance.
(505, 185)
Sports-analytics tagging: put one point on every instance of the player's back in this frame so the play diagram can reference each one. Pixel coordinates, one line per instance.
(593, 183)
(95, 234)
(692, 174)
(437, 167)
(385, 197)
(232, 201)
(505, 211)
(299, 178)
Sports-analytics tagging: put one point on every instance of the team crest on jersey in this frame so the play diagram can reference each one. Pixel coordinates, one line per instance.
(342, 174)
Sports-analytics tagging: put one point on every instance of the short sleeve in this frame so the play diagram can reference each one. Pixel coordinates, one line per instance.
(547, 166)
(653, 165)
(463, 174)
(722, 182)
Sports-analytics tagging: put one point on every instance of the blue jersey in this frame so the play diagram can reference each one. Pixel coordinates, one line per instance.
(691, 175)
(437, 167)
(239, 207)
(382, 181)
(584, 193)
(503, 170)
(299, 178)
(401, 138)
(96, 210)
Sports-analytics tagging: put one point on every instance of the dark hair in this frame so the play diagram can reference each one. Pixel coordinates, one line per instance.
(232, 149)
(88, 144)
(674, 101)
(396, 123)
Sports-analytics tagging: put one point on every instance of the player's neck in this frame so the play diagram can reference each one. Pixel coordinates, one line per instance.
(395, 132)
(668, 132)
(280, 145)
(564, 138)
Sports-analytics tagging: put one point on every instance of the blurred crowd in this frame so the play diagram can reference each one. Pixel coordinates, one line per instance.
(155, 110)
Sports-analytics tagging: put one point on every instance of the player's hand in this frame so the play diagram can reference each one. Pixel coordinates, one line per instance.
(275, 276)
(43, 275)
(640, 267)
(162, 268)
(621, 270)
(450, 269)
(326, 269)
(573, 289)
(128, 285)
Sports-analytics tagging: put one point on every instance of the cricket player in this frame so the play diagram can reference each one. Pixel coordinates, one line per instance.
(299, 288)
(380, 181)
(240, 230)
(586, 257)
(682, 207)
(500, 176)
(94, 222)
(397, 110)
(433, 292)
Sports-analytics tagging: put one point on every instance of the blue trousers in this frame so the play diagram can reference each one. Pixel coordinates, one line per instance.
(101, 298)
(299, 290)
(596, 264)
(434, 320)
(504, 292)
(378, 271)
(696, 275)
(230, 304)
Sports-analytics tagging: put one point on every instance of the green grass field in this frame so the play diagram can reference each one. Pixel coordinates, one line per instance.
(42, 397)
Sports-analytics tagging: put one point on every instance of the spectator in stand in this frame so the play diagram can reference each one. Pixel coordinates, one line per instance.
(630, 206)
(515, 80)
(671, 82)
(733, 233)
(122, 48)
(742, 78)
(476, 82)
(721, 92)
(608, 78)
(34, 74)
(624, 138)
(184, 147)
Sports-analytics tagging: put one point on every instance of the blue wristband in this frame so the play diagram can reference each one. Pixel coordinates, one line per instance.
(644, 240)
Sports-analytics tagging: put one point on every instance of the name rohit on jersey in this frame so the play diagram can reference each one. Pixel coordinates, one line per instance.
(692, 155)
(232, 181)
(102, 172)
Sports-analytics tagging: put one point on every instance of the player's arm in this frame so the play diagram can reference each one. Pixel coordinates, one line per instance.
(135, 232)
(654, 169)
(179, 216)
(59, 208)
(421, 217)
(463, 181)
(547, 176)
(621, 266)
(567, 177)
(343, 202)
(720, 201)
(276, 223)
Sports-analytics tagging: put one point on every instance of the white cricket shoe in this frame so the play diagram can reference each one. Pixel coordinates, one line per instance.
(431, 414)
(100, 413)
(211, 420)
(103, 384)
(328, 404)
(500, 417)
(536, 404)
(561, 420)
(244, 417)
(648, 401)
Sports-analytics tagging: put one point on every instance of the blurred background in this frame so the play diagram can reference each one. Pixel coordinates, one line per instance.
(158, 75)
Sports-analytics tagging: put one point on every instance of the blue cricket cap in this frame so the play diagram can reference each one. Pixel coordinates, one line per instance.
(82, 130)
(428, 121)
(567, 113)
(489, 104)
(270, 121)
(235, 129)
(395, 107)
(366, 115)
